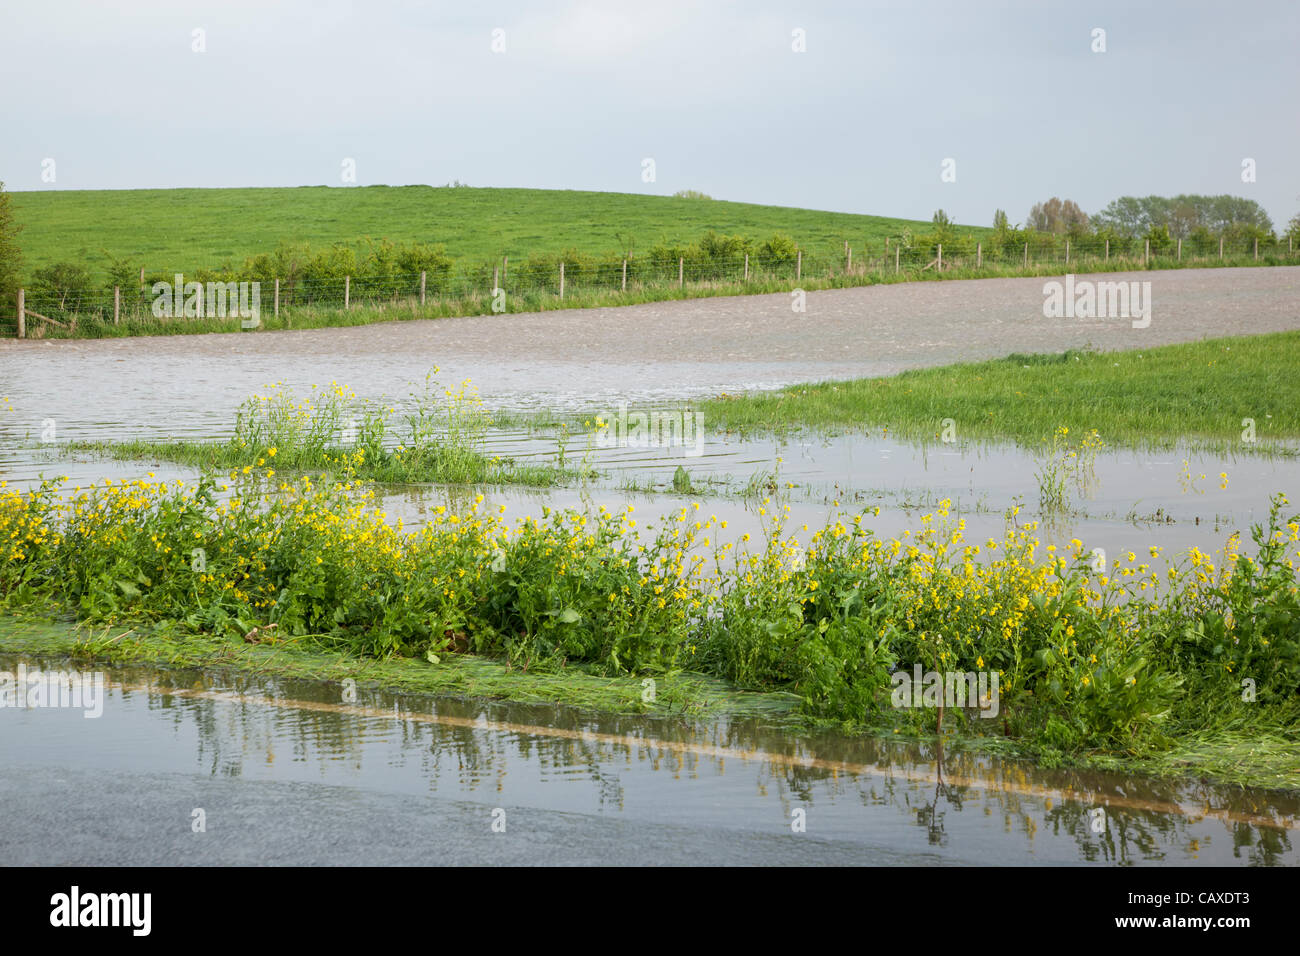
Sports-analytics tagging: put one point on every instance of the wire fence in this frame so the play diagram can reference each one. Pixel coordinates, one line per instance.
(518, 286)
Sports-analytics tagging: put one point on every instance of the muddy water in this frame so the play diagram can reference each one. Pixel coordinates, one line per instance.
(566, 784)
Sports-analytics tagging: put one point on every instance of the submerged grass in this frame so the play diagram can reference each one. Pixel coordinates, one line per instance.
(460, 675)
(1238, 395)
(439, 438)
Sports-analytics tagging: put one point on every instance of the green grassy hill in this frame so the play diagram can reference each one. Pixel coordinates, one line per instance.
(180, 230)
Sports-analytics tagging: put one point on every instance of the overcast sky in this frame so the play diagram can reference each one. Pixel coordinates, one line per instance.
(713, 92)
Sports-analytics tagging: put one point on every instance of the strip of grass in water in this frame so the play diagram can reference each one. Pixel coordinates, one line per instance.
(455, 675)
(438, 438)
(387, 468)
(1197, 394)
(1237, 755)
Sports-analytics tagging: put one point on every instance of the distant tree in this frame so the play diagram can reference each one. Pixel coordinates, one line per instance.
(1159, 238)
(779, 250)
(944, 231)
(1183, 214)
(1057, 215)
(1293, 228)
(11, 257)
(68, 282)
(690, 194)
(1000, 222)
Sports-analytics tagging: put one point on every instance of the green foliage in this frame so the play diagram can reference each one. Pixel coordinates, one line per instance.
(1086, 659)
(777, 250)
(11, 259)
(1133, 216)
(69, 285)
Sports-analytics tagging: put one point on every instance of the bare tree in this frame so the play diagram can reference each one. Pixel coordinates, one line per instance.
(1057, 215)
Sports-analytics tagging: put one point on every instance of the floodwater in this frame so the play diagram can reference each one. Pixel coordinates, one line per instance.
(648, 353)
(1133, 500)
(287, 772)
(188, 387)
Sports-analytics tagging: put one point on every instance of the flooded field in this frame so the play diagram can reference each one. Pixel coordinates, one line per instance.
(277, 765)
(286, 772)
(1173, 499)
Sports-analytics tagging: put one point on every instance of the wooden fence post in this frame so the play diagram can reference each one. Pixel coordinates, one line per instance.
(22, 314)
(277, 298)
(424, 275)
(941, 257)
(1026, 255)
(1108, 250)
(1220, 247)
(979, 255)
(896, 248)
(496, 280)
(1067, 252)
(624, 275)
(681, 272)
(1256, 250)
(347, 292)
(117, 305)
(1146, 251)
(848, 266)
(561, 280)
(798, 265)
(1180, 250)
(747, 267)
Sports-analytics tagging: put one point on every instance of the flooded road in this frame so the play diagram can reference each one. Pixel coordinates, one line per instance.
(290, 773)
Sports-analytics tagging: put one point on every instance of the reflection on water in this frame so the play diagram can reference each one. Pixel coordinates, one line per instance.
(915, 799)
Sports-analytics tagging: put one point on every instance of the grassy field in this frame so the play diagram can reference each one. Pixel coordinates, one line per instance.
(182, 230)
(1197, 392)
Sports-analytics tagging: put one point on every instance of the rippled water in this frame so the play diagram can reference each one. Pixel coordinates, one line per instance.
(873, 799)
(1137, 500)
